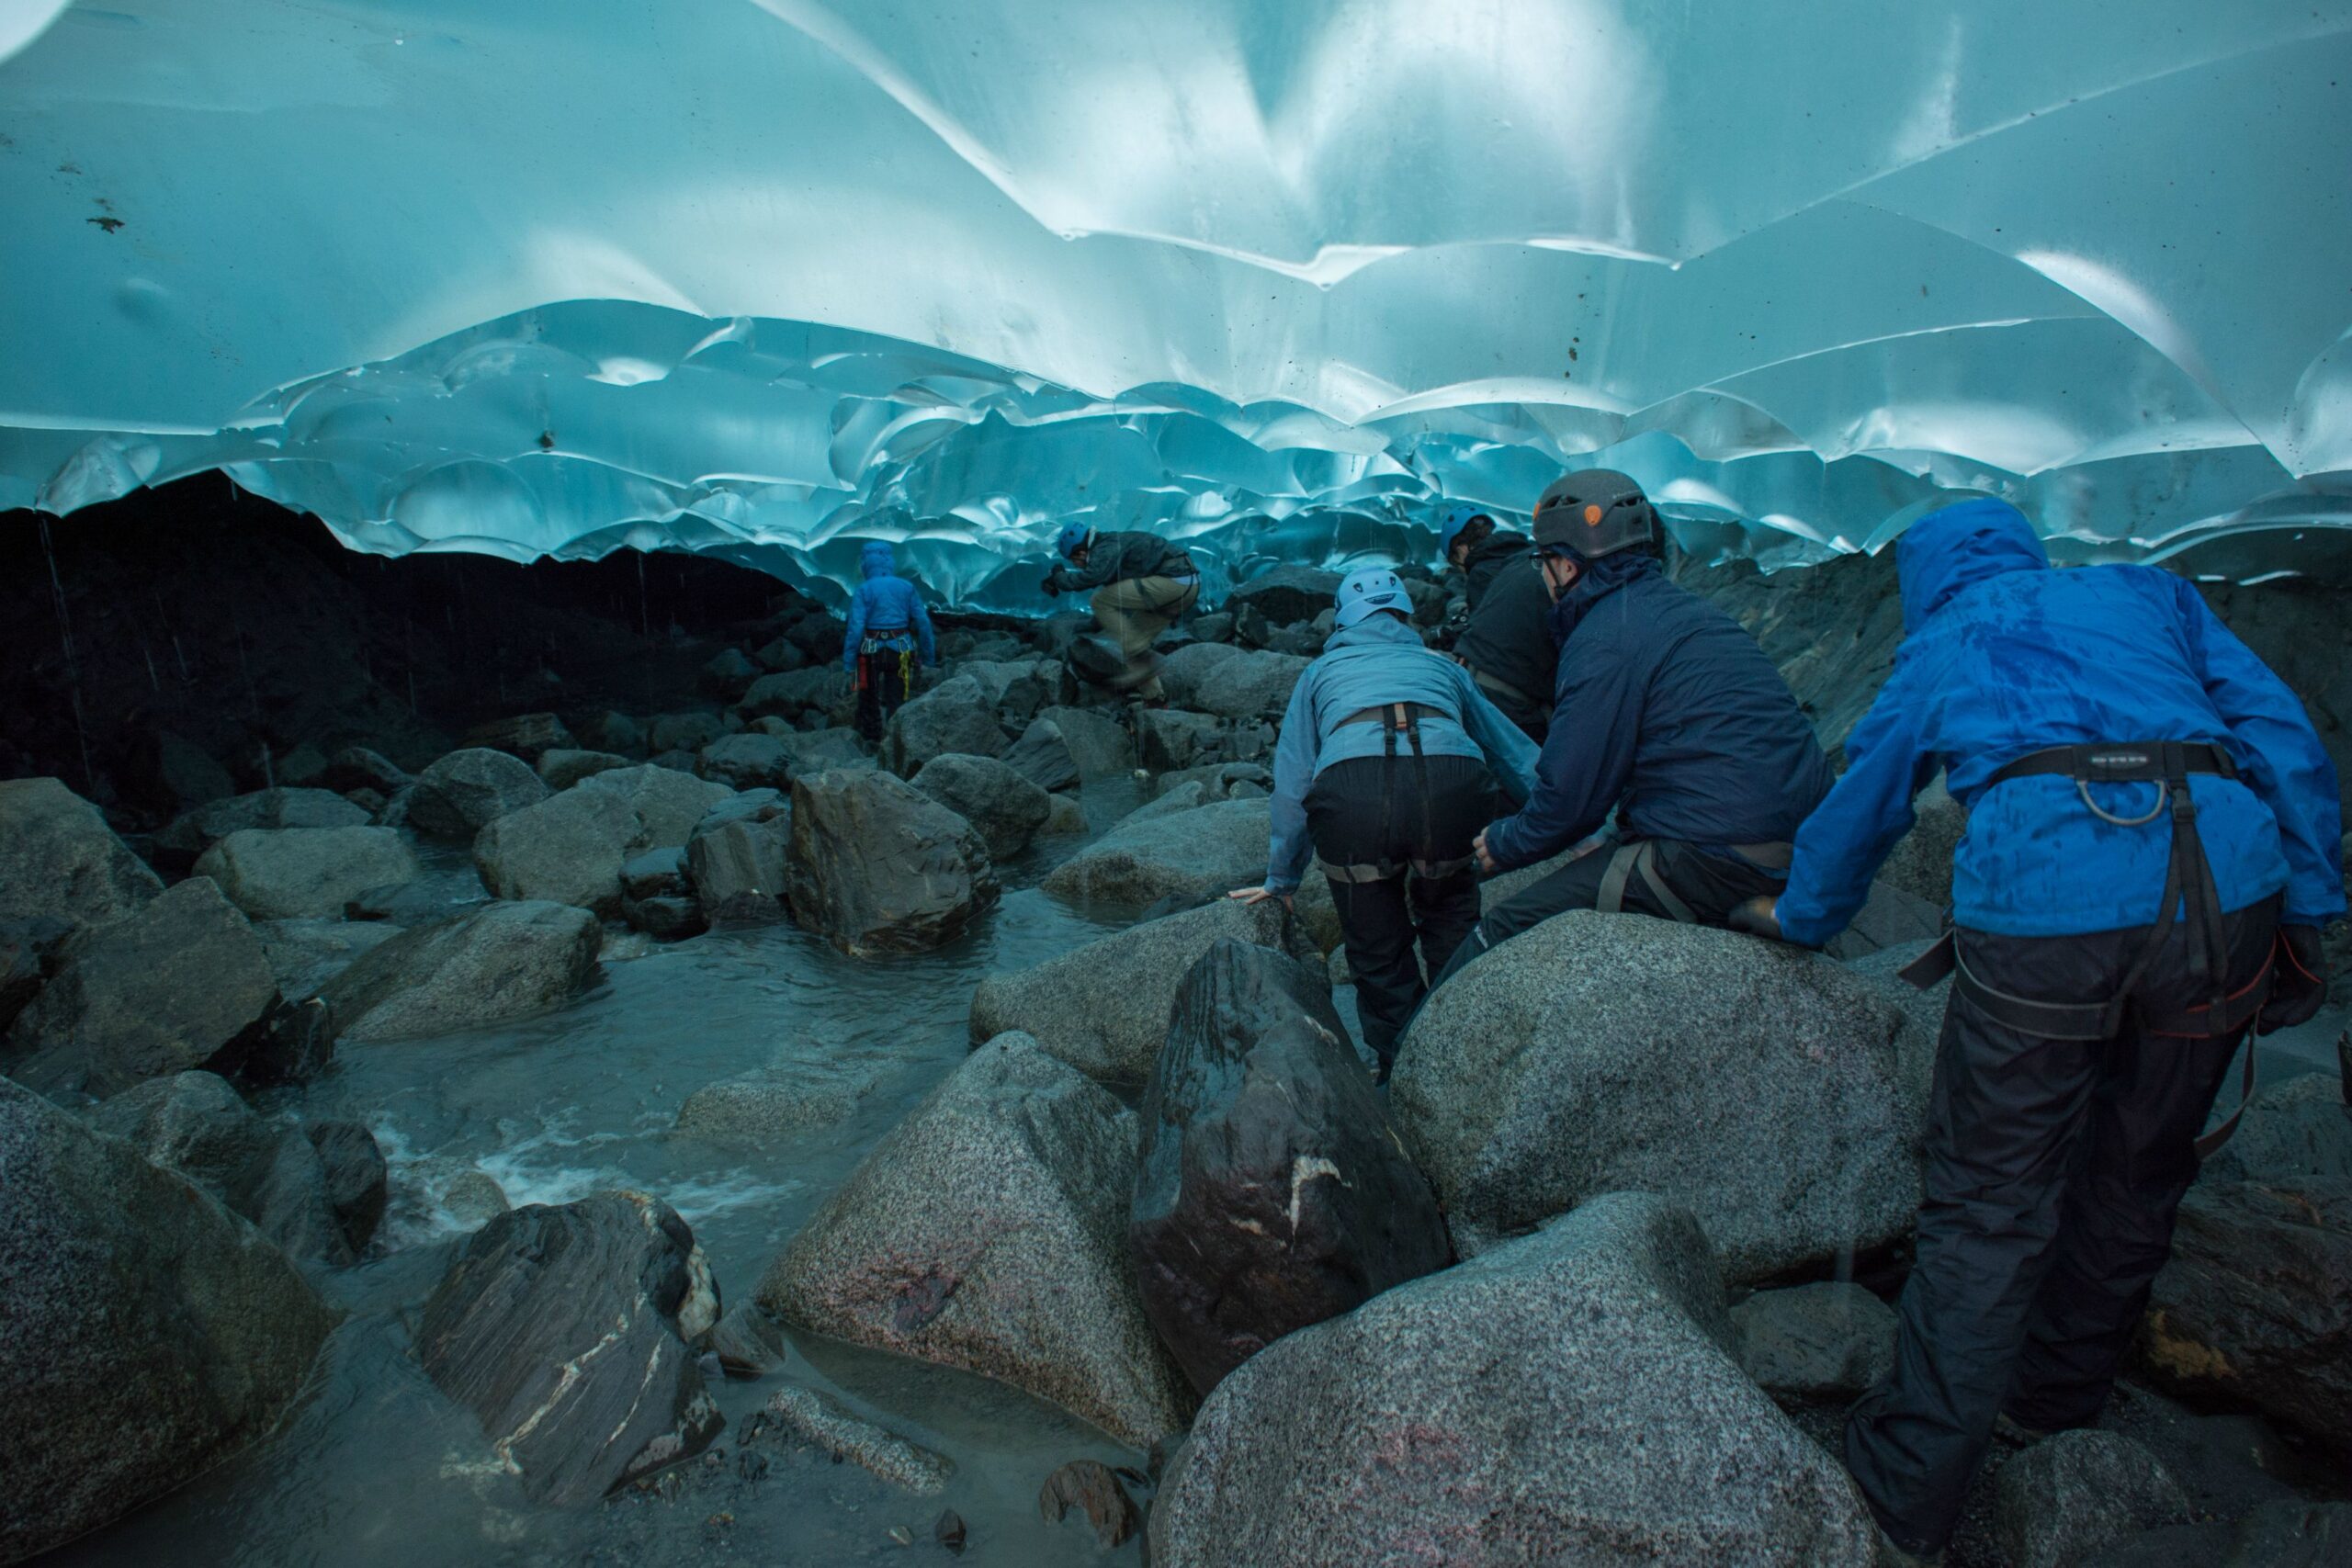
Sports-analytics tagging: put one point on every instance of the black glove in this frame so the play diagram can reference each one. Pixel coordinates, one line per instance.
(1050, 586)
(2298, 979)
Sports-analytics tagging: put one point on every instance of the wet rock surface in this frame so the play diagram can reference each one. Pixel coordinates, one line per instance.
(1566, 1397)
(151, 1333)
(568, 849)
(191, 835)
(1087, 1487)
(2075, 1492)
(1273, 1193)
(1829, 1340)
(789, 1097)
(464, 792)
(2255, 1306)
(815, 1418)
(670, 804)
(169, 986)
(878, 866)
(293, 874)
(1774, 1092)
(736, 868)
(564, 1330)
(1186, 854)
(955, 715)
(1006, 808)
(503, 961)
(1104, 1008)
(358, 1182)
(987, 1231)
(2296, 1129)
(59, 859)
(306, 954)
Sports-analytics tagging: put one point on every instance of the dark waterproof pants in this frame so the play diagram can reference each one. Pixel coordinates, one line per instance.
(884, 676)
(2054, 1169)
(1711, 884)
(1393, 811)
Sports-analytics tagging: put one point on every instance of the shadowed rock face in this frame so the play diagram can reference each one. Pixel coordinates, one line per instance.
(2255, 1304)
(1564, 1398)
(986, 1232)
(508, 960)
(148, 1333)
(1273, 1193)
(565, 1331)
(58, 858)
(880, 867)
(2075, 1492)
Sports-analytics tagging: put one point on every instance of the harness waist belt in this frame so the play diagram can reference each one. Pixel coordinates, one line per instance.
(1503, 688)
(2138, 761)
(1387, 713)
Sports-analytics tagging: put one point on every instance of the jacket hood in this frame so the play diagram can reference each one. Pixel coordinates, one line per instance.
(1374, 631)
(877, 559)
(1602, 578)
(1949, 551)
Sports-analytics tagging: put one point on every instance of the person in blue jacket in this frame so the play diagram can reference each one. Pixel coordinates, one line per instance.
(1388, 764)
(1665, 712)
(887, 628)
(2122, 757)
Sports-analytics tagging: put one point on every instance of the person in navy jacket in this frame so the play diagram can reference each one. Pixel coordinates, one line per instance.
(2154, 842)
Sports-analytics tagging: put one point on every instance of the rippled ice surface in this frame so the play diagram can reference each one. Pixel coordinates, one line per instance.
(377, 1468)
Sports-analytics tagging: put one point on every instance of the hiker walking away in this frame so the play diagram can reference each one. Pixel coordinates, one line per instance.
(1141, 582)
(1665, 711)
(1502, 633)
(2154, 842)
(1388, 764)
(888, 628)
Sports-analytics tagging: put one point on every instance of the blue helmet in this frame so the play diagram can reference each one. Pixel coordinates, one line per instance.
(1074, 538)
(1450, 526)
(1369, 591)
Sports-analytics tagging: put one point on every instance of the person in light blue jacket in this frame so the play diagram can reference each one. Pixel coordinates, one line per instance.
(887, 627)
(1386, 769)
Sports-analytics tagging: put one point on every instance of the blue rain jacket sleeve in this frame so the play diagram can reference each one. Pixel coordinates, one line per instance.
(922, 618)
(2281, 757)
(1841, 845)
(1288, 849)
(1587, 758)
(1510, 755)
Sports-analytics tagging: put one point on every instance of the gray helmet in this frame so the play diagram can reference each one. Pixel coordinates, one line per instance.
(1594, 513)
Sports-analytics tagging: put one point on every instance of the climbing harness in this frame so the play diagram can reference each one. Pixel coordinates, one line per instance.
(1394, 720)
(2189, 886)
(1633, 857)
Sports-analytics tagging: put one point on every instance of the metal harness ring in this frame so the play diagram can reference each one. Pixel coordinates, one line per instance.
(2163, 798)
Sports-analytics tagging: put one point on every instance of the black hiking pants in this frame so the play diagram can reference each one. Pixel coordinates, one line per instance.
(1373, 813)
(2054, 1169)
(884, 675)
(1710, 884)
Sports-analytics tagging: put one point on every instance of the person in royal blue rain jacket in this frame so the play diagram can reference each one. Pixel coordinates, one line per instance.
(1388, 764)
(2122, 757)
(888, 628)
(1664, 711)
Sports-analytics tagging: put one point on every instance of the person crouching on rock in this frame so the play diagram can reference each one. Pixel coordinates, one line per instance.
(2147, 802)
(1387, 766)
(1142, 584)
(1663, 710)
(887, 627)
(1502, 638)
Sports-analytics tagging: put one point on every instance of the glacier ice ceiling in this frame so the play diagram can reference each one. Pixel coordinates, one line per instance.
(551, 277)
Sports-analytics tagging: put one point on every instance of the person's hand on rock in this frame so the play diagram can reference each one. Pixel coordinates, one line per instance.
(1259, 894)
(1485, 857)
(1757, 917)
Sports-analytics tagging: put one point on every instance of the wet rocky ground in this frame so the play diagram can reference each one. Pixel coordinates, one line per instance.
(540, 1087)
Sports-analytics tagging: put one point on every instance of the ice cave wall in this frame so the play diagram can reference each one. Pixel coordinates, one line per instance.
(553, 278)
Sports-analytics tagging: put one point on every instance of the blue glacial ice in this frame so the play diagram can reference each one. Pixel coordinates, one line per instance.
(551, 277)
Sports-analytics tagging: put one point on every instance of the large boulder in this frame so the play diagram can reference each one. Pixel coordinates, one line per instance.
(684, 731)
(464, 792)
(1185, 854)
(669, 803)
(749, 761)
(1777, 1095)
(792, 693)
(736, 867)
(58, 858)
(1004, 807)
(306, 954)
(294, 873)
(566, 1331)
(2255, 1306)
(500, 962)
(2074, 1493)
(1248, 686)
(814, 750)
(193, 1122)
(1564, 1398)
(1104, 1008)
(1286, 593)
(562, 768)
(878, 866)
(1043, 757)
(167, 987)
(568, 849)
(2292, 1129)
(527, 735)
(357, 1179)
(1828, 1340)
(194, 832)
(791, 1096)
(1097, 744)
(987, 1231)
(149, 1333)
(955, 715)
(1273, 1191)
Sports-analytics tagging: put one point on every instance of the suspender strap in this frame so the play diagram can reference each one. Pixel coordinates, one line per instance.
(1639, 856)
